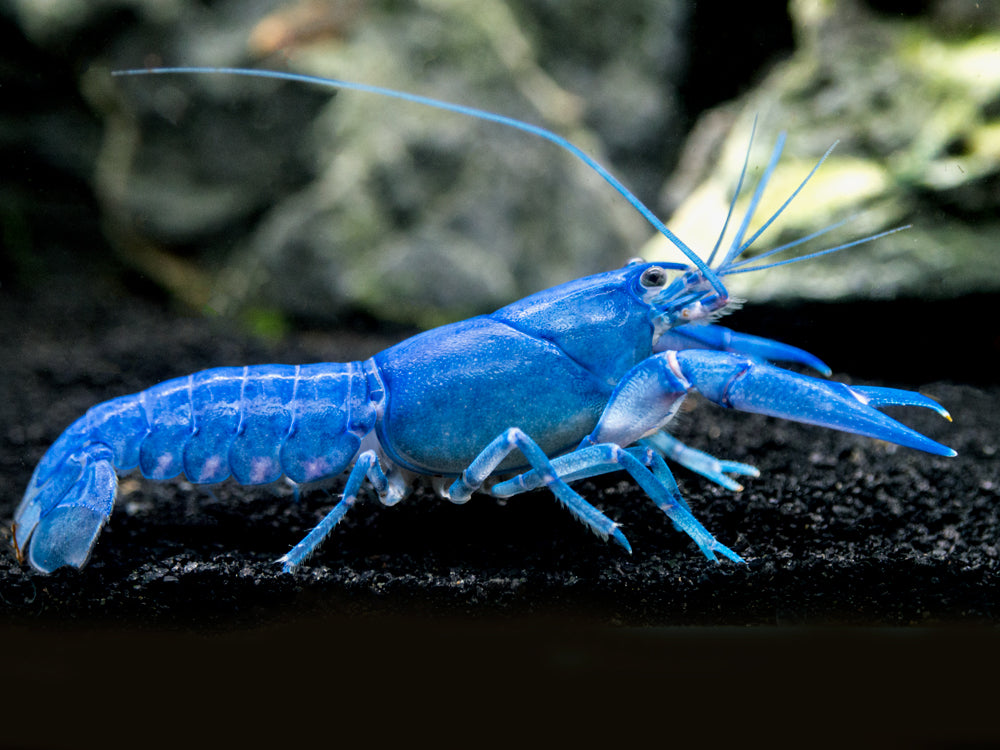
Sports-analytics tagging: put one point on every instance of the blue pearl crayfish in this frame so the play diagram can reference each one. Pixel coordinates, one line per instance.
(571, 382)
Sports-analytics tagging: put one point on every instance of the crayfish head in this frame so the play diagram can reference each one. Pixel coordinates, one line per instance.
(678, 295)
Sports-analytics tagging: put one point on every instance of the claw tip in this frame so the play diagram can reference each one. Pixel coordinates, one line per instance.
(619, 537)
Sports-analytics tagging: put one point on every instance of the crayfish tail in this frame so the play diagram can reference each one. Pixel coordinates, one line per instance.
(65, 508)
(64, 538)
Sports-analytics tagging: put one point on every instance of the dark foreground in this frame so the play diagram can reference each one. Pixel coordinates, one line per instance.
(513, 601)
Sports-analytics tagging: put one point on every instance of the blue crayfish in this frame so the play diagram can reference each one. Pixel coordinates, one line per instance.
(571, 382)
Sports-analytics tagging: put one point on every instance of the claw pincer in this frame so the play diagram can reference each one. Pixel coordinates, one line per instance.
(742, 383)
(575, 381)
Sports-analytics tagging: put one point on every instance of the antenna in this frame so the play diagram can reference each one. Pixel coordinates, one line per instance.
(481, 114)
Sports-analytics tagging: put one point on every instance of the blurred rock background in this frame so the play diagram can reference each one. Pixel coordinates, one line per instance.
(283, 204)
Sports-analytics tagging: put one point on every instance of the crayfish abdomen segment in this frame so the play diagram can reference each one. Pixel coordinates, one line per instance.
(255, 423)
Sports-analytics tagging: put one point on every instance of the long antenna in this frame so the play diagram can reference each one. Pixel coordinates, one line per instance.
(481, 114)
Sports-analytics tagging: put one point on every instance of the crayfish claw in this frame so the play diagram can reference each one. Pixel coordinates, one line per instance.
(746, 384)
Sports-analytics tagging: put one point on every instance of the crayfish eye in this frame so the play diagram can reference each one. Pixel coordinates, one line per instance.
(653, 276)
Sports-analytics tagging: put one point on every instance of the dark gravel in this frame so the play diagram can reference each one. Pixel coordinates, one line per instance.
(839, 530)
